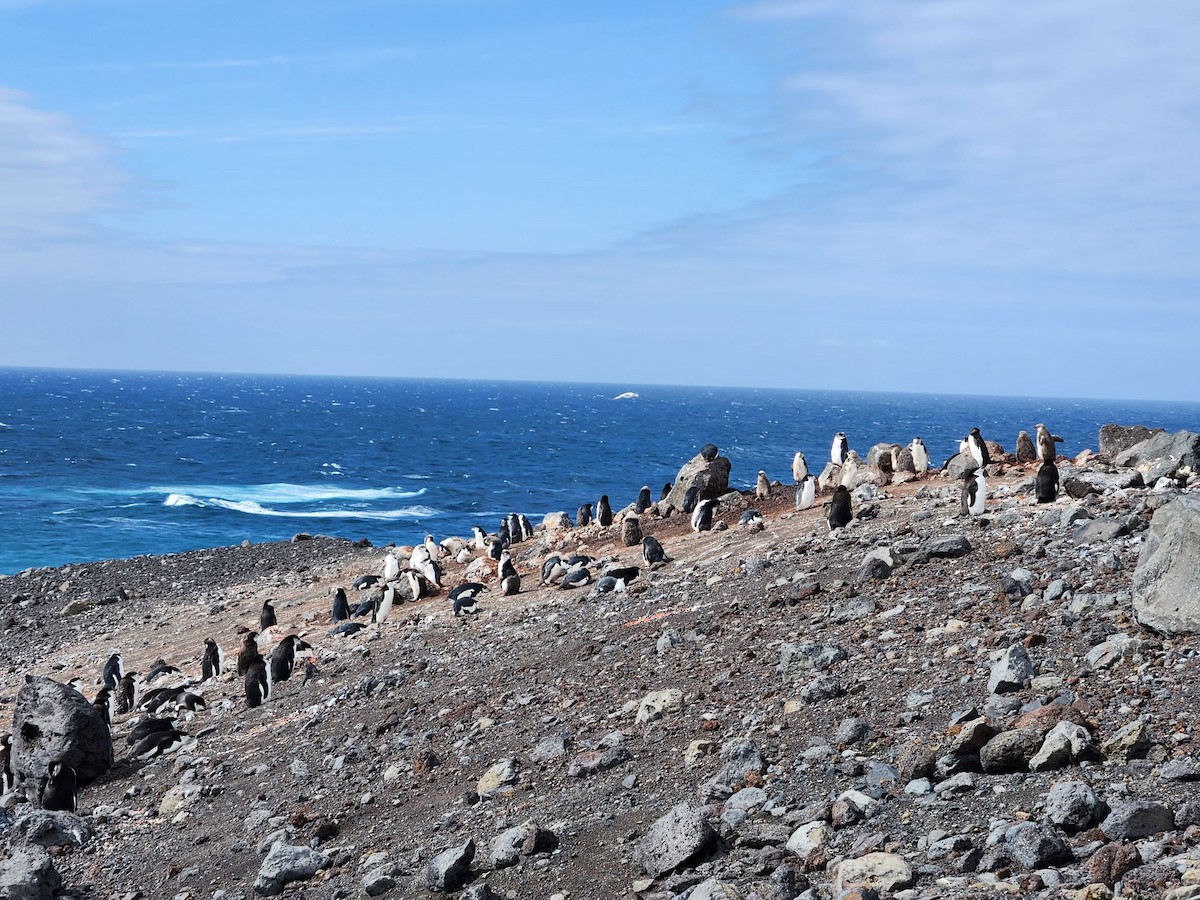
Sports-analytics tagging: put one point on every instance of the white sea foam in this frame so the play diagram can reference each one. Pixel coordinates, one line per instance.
(277, 493)
(254, 508)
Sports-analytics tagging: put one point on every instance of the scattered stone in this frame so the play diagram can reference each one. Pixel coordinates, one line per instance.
(47, 828)
(1129, 820)
(1036, 846)
(1010, 751)
(1133, 741)
(450, 869)
(677, 838)
(880, 871)
(1111, 861)
(1012, 671)
(500, 776)
(1074, 806)
(656, 703)
(798, 660)
(285, 864)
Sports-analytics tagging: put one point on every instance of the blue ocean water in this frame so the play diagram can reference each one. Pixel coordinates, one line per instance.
(97, 465)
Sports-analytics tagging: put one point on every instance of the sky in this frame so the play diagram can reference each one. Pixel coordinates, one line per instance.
(948, 197)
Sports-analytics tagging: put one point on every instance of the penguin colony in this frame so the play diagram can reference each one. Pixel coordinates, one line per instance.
(157, 706)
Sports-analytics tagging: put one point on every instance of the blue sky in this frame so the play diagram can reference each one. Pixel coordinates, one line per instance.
(977, 197)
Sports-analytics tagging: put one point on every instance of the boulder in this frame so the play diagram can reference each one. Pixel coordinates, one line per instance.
(1073, 805)
(1168, 569)
(1036, 846)
(1163, 454)
(1010, 751)
(881, 871)
(1012, 671)
(48, 828)
(29, 874)
(54, 722)
(1026, 451)
(631, 532)
(675, 839)
(1078, 484)
(450, 869)
(957, 465)
(557, 521)
(711, 476)
(287, 863)
(520, 840)
(1115, 439)
(1129, 820)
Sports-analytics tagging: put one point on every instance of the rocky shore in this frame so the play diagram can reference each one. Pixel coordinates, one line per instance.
(920, 704)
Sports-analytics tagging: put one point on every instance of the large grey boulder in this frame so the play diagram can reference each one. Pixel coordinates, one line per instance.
(46, 828)
(1164, 584)
(28, 874)
(677, 838)
(1163, 454)
(1129, 820)
(1073, 805)
(958, 465)
(1012, 671)
(54, 722)
(450, 869)
(711, 476)
(1036, 846)
(1116, 438)
(287, 863)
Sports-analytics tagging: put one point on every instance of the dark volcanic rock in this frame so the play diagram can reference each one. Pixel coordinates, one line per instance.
(1116, 439)
(679, 836)
(55, 723)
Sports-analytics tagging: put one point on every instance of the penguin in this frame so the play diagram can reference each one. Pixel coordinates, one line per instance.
(974, 492)
(146, 726)
(607, 584)
(494, 549)
(839, 508)
(1046, 484)
(627, 574)
(161, 670)
(643, 501)
(126, 693)
(58, 791)
(510, 584)
(283, 659)
(362, 582)
(690, 498)
(158, 743)
(799, 467)
(114, 669)
(579, 559)
(467, 589)
(249, 652)
(762, 488)
(920, 456)
(432, 548)
(348, 628)
(366, 607)
(341, 606)
(391, 567)
(506, 568)
(977, 447)
(503, 537)
(751, 517)
(709, 452)
(526, 527)
(702, 516)
(806, 494)
(604, 514)
(266, 618)
(384, 609)
(465, 605)
(212, 663)
(478, 537)
(257, 683)
(104, 705)
(583, 516)
(8, 779)
(652, 551)
(576, 577)
(514, 528)
(416, 586)
(1046, 450)
(464, 556)
(840, 449)
(551, 566)
(666, 490)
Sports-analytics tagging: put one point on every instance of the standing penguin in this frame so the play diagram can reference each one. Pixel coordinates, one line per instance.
(839, 508)
(840, 449)
(762, 487)
(920, 456)
(341, 606)
(652, 550)
(114, 669)
(977, 447)
(799, 467)
(506, 568)
(249, 652)
(391, 567)
(666, 490)
(510, 584)
(1047, 452)
(974, 492)
(643, 501)
(526, 527)
(479, 538)
(702, 516)
(104, 705)
(384, 609)
(806, 493)
(1046, 485)
(266, 618)
(514, 528)
(690, 498)
(258, 683)
(126, 693)
(8, 779)
(583, 515)
(604, 513)
(709, 452)
(58, 792)
(213, 661)
(283, 659)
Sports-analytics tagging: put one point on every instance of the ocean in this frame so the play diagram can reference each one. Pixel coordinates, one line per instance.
(99, 465)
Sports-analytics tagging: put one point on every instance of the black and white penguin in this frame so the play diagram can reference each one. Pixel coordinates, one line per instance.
(258, 683)
(266, 618)
(977, 447)
(384, 608)
(59, 789)
(762, 487)
(604, 514)
(702, 516)
(1046, 450)
(348, 628)
(367, 607)
(391, 567)
(341, 606)
(920, 456)
(652, 550)
(8, 779)
(643, 502)
(362, 582)
(506, 568)
(690, 498)
(750, 517)
(464, 603)
(583, 515)
(514, 528)
(478, 537)
(526, 527)
(607, 584)
(666, 489)
(503, 538)
(576, 577)
(249, 653)
(212, 663)
(806, 493)
(510, 584)
(1046, 485)
(162, 671)
(158, 743)
(467, 589)
(433, 548)
(840, 449)
(552, 568)
(283, 658)
(494, 549)
(974, 492)
(126, 693)
(146, 726)
(840, 513)
(105, 705)
(627, 574)
(709, 452)
(579, 559)
(114, 670)
(799, 467)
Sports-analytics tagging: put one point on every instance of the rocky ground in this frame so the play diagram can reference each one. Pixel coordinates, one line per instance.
(773, 713)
